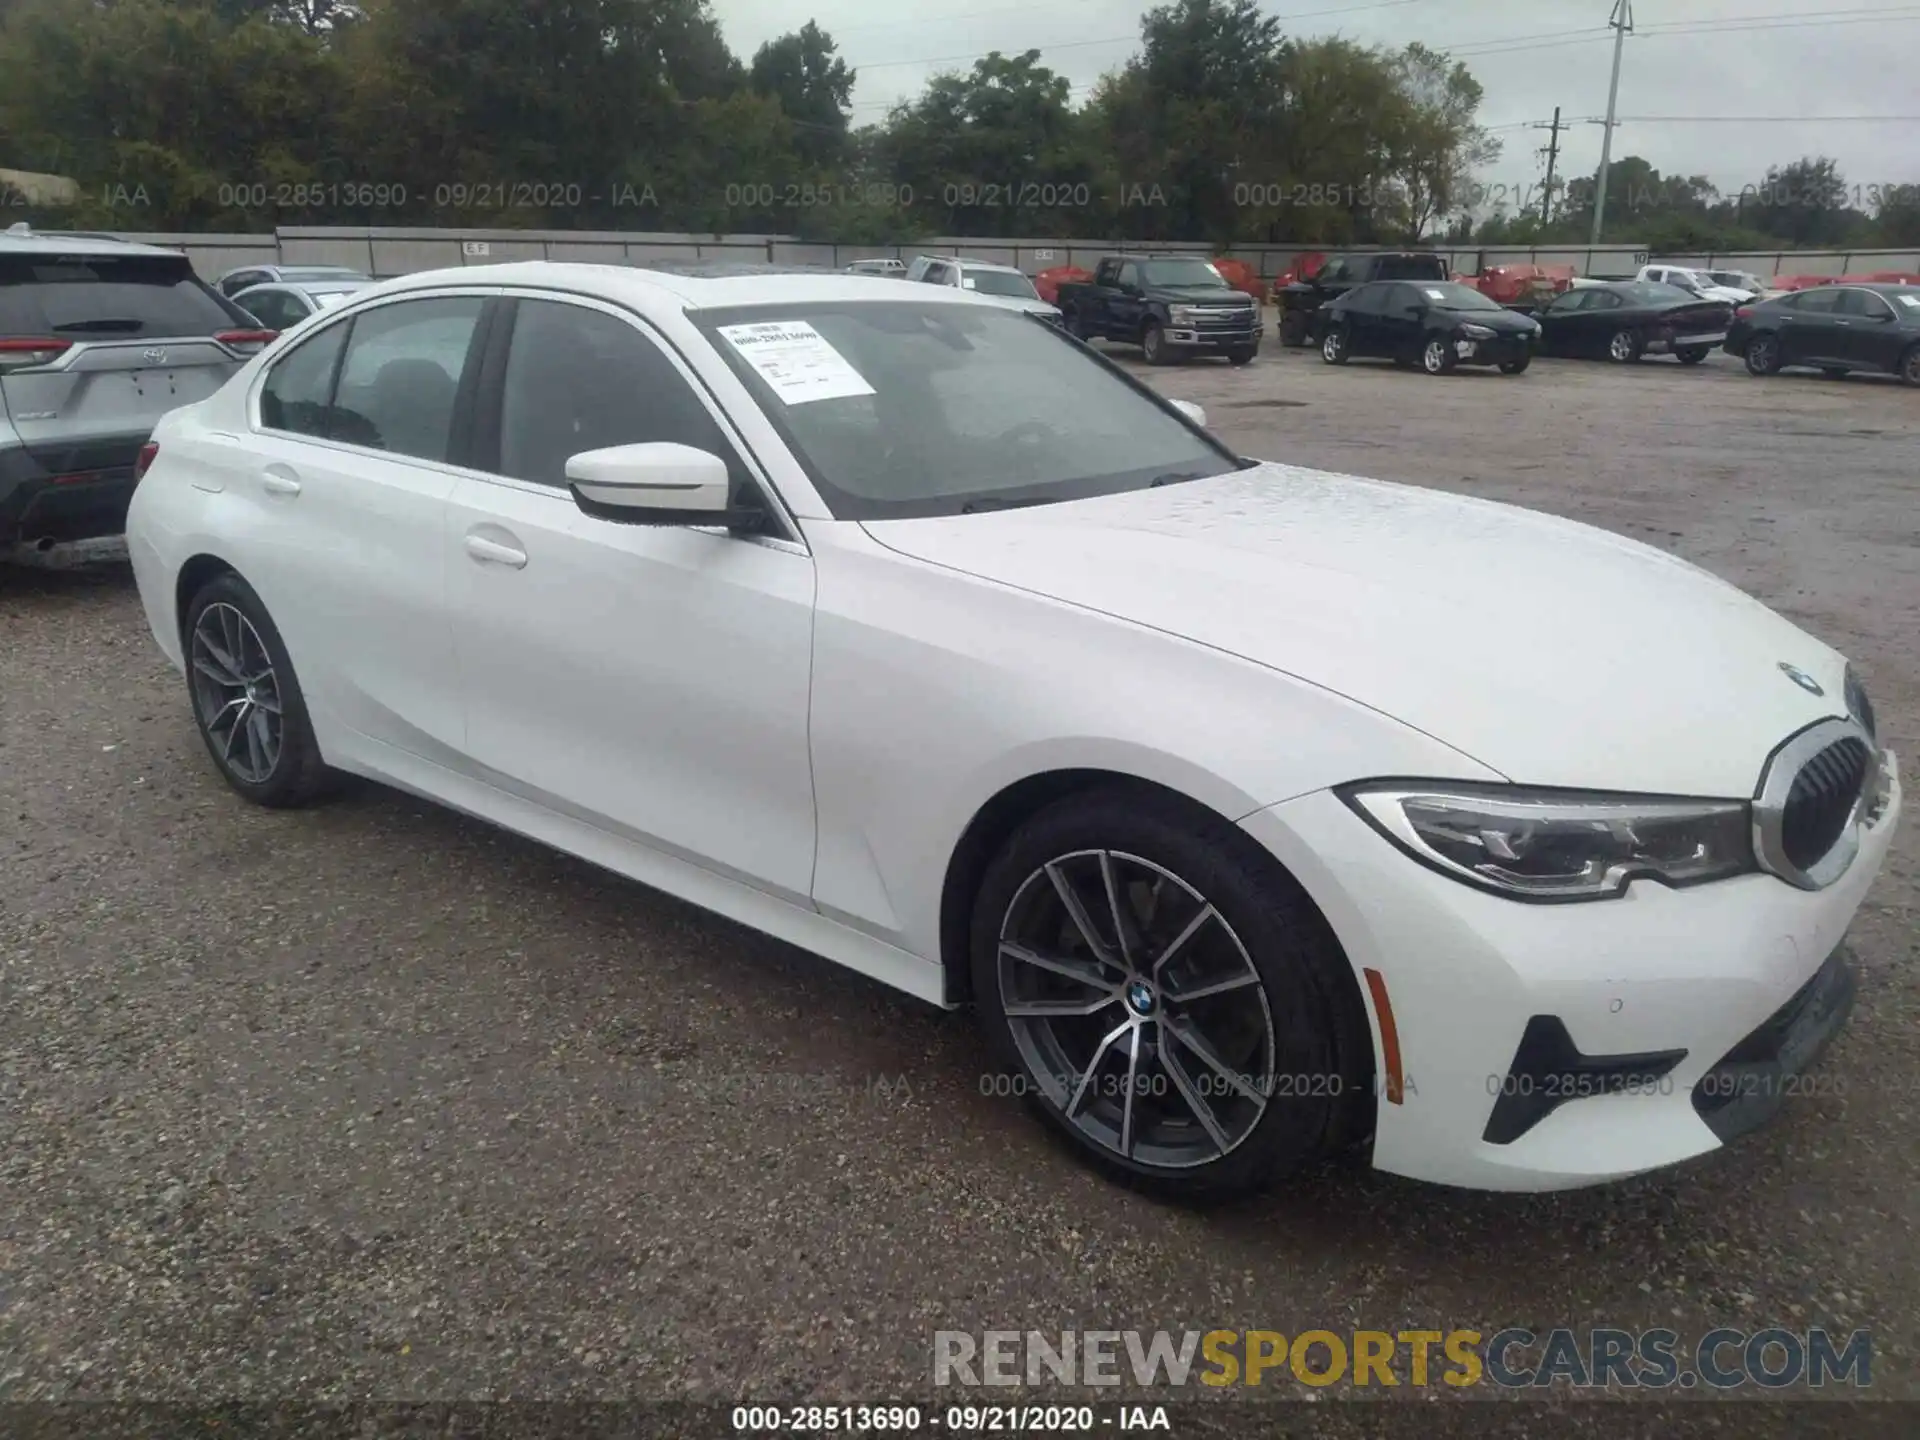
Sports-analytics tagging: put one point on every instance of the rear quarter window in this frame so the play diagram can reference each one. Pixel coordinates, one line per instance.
(106, 297)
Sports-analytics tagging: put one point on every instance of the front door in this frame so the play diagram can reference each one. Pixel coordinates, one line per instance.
(652, 680)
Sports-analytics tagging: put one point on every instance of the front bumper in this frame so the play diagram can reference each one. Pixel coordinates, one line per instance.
(1501, 350)
(1210, 340)
(1698, 971)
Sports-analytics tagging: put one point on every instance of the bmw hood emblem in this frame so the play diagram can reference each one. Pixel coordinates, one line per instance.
(1800, 677)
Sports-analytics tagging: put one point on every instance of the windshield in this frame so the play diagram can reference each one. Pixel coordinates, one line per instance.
(999, 282)
(1458, 297)
(900, 409)
(1181, 272)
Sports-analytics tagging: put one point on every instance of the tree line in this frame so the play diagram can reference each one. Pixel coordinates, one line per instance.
(243, 115)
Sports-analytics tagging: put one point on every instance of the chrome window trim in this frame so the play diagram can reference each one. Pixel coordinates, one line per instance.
(793, 539)
(1776, 783)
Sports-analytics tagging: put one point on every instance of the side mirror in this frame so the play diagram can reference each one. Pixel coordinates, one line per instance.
(1192, 411)
(651, 484)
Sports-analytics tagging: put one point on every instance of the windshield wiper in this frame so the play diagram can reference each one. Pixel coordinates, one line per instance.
(997, 502)
(1175, 477)
(103, 326)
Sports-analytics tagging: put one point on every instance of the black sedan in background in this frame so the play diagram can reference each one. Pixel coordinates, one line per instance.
(1835, 328)
(1435, 324)
(1624, 321)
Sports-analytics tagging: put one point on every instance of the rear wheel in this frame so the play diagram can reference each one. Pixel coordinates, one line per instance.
(1516, 367)
(1293, 330)
(247, 700)
(1625, 347)
(1763, 355)
(1152, 980)
(1693, 354)
(1333, 349)
(1153, 344)
(1437, 357)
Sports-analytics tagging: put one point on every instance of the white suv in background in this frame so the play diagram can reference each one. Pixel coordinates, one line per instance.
(1003, 284)
(1698, 281)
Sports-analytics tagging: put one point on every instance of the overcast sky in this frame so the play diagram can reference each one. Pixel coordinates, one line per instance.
(1740, 58)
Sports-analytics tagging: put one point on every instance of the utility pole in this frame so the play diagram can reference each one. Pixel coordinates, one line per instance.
(1621, 24)
(1553, 156)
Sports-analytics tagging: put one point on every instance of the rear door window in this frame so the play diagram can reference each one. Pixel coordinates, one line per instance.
(402, 375)
(85, 297)
(1409, 267)
(298, 392)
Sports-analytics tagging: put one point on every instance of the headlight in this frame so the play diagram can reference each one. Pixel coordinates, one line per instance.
(1183, 314)
(1476, 332)
(1859, 706)
(1558, 844)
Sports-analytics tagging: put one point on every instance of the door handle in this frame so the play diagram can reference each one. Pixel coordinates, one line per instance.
(279, 480)
(492, 552)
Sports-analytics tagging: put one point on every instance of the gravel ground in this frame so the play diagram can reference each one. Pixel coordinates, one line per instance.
(371, 1101)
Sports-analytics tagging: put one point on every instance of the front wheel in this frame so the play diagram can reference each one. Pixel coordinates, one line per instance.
(1166, 998)
(247, 701)
(1438, 357)
(1516, 367)
(1834, 372)
(1153, 344)
(1763, 355)
(1241, 357)
(1625, 347)
(1910, 366)
(1693, 354)
(1333, 349)
(1077, 326)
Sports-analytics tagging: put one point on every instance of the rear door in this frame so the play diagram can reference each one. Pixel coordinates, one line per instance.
(341, 497)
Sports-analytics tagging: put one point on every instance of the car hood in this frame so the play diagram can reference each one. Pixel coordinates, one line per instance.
(1200, 294)
(1553, 652)
(1033, 306)
(1502, 322)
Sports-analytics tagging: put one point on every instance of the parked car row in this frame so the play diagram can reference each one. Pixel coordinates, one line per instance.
(1441, 325)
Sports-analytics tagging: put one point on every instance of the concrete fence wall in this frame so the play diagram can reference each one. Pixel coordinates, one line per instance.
(398, 251)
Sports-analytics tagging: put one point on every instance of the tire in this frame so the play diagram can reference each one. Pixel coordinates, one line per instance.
(1693, 354)
(1909, 366)
(1293, 330)
(1625, 347)
(1834, 372)
(1763, 355)
(1077, 327)
(238, 668)
(1333, 349)
(1437, 356)
(1153, 345)
(1237, 358)
(1516, 367)
(1291, 1007)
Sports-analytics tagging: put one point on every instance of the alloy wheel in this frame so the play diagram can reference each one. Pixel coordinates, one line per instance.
(1434, 357)
(1762, 356)
(1333, 348)
(1136, 1009)
(236, 693)
(1910, 367)
(1620, 348)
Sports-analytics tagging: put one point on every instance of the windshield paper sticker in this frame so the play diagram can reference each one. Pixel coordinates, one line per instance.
(796, 361)
(1436, 294)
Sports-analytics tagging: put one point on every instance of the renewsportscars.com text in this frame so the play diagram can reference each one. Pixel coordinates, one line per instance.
(1513, 1358)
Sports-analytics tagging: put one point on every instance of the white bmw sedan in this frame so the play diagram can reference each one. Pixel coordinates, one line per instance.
(1259, 812)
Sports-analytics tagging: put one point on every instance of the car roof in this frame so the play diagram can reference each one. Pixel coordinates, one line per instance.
(22, 241)
(692, 285)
